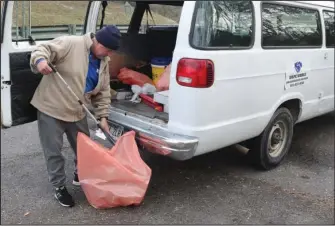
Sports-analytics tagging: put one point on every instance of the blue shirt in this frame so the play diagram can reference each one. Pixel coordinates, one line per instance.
(92, 73)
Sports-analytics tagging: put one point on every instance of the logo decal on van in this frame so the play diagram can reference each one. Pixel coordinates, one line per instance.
(298, 66)
(296, 79)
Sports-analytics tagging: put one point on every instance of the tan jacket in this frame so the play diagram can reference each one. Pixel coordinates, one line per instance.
(70, 55)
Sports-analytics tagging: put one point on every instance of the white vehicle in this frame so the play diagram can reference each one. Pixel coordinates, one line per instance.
(241, 72)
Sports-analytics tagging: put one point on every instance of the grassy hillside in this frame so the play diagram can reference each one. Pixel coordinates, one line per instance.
(46, 13)
(172, 12)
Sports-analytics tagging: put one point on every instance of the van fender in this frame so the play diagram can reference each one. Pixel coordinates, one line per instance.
(287, 97)
(283, 99)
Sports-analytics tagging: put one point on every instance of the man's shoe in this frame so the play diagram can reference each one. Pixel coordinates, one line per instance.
(63, 197)
(76, 180)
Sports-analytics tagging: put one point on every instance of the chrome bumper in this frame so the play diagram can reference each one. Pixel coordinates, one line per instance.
(154, 137)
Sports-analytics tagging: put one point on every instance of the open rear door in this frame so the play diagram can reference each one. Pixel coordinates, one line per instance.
(25, 24)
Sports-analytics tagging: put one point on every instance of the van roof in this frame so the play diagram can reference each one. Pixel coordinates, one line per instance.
(328, 4)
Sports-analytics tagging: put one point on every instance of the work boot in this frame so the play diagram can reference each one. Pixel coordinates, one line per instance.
(63, 197)
(76, 180)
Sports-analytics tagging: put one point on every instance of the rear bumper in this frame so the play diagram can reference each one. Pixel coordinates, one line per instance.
(155, 137)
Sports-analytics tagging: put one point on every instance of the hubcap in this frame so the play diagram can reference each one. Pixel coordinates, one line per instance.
(277, 139)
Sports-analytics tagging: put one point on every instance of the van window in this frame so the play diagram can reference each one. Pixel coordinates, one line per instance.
(290, 26)
(47, 19)
(330, 28)
(117, 13)
(222, 24)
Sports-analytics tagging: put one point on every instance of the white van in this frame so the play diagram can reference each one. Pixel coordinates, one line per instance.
(241, 72)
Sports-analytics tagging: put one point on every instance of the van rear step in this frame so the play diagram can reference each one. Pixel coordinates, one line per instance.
(140, 109)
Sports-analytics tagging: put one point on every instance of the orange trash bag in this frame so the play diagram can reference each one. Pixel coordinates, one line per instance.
(112, 177)
(131, 77)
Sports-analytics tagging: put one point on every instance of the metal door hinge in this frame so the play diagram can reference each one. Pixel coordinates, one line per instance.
(7, 83)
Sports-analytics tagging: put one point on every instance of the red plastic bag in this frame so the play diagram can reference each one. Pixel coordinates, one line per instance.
(115, 177)
(164, 81)
(131, 77)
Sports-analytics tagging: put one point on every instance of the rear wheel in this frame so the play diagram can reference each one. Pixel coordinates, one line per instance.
(269, 149)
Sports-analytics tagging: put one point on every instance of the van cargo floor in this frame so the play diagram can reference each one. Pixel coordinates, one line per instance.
(140, 109)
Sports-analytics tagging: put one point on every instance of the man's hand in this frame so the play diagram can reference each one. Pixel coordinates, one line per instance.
(104, 124)
(43, 67)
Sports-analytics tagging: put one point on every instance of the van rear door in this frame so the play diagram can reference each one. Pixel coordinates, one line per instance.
(24, 25)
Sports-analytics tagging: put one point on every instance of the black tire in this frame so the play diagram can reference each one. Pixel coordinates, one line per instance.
(260, 153)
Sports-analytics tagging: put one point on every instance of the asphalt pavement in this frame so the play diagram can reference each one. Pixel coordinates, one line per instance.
(216, 188)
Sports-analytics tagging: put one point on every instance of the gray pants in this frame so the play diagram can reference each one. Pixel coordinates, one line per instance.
(51, 133)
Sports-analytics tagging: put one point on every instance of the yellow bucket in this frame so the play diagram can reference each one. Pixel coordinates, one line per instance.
(157, 71)
(158, 65)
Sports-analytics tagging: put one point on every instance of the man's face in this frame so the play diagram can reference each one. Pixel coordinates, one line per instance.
(100, 51)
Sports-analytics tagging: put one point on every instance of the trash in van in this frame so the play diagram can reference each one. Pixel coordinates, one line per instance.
(148, 100)
(164, 80)
(112, 177)
(131, 77)
(122, 94)
(137, 90)
(158, 65)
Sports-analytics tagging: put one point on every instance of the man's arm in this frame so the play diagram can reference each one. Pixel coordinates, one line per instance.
(102, 100)
(51, 51)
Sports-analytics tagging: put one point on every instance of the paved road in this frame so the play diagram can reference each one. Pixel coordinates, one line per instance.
(217, 188)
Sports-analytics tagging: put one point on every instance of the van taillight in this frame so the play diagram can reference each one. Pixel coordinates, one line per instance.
(195, 73)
